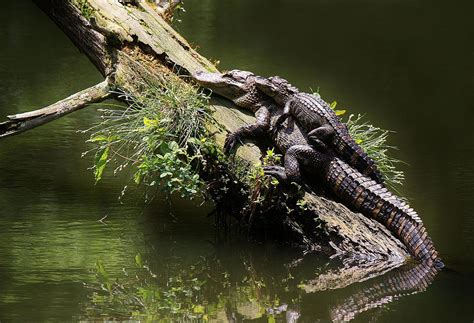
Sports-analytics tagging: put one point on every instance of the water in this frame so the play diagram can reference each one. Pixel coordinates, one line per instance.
(407, 66)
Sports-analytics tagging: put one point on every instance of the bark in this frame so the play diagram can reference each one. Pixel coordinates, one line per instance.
(19, 123)
(127, 43)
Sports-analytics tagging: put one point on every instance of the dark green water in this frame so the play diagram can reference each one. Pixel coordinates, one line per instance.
(406, 65)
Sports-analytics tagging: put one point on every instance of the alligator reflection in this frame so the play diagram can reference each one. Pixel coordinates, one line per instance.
(249, 286)
(400, 282)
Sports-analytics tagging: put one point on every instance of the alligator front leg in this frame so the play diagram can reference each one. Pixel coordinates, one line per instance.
(253, 132)
(279, 172)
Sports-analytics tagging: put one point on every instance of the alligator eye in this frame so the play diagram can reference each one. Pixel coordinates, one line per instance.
(227, 80)
(230, 73)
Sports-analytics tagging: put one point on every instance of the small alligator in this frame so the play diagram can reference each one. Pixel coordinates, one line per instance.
(356, 190)
(320, 121)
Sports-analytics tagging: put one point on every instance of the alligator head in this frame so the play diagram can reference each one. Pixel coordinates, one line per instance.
(276, 87)
(237, 86)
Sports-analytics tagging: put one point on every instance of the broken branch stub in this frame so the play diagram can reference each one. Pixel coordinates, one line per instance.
(21, 122)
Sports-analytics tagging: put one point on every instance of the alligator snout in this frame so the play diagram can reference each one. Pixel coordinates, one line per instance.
(206, 78)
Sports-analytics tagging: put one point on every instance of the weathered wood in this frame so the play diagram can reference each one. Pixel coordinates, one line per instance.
(80, 31)
(19, 123)
(128, 43)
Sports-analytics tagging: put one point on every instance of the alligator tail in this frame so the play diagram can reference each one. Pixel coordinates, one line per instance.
(375, 201)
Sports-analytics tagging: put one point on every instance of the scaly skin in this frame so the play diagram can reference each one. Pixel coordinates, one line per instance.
(323, 125)
(361, 194)
(355, 190)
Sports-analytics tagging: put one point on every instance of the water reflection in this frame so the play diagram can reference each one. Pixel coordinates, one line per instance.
(243, 283)
(383, 290)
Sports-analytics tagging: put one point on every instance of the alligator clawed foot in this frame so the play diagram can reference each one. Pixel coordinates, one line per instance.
(276, 171)
(279, 173)
(230, 143)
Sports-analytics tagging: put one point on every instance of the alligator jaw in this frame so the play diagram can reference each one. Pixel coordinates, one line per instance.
(207, 79)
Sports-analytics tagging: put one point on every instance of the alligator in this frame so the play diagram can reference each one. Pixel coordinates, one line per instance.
(320, 121)
(354, 189)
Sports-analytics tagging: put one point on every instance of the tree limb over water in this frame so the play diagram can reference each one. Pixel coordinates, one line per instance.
(21, 122)
(130, 44)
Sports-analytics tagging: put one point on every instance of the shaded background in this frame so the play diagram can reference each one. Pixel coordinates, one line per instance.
(406, 65)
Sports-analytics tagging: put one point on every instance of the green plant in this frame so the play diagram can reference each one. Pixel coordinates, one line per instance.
(302, 204)
(257, 178)
(374, 142)
(161, 135)
(266, 197)
(86, 10)
(256, 174)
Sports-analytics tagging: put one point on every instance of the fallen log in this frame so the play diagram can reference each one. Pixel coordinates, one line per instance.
(130, 43)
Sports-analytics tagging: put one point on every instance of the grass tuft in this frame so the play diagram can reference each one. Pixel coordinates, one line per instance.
(161, 134)
(373, 141)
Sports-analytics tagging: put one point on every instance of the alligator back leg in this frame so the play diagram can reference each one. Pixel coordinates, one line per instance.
(296, 157)
(342, 142)
(324, 133)
(320, 136)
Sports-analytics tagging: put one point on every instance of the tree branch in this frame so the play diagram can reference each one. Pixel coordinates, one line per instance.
(19, 123)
